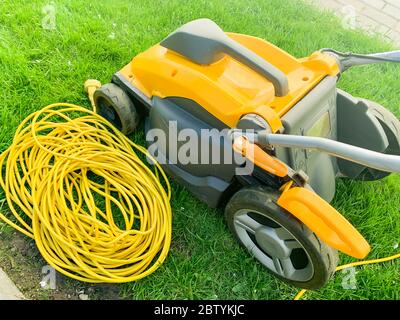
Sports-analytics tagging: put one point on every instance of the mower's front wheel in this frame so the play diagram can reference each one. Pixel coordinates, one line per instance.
(114, 104)
(280, 242)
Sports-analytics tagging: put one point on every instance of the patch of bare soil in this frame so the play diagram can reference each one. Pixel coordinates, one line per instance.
(22, 262)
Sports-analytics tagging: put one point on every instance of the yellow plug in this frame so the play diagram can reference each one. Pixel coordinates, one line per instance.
(90, 87)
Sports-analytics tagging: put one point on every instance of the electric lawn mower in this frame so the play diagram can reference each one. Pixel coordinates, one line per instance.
(286, 116)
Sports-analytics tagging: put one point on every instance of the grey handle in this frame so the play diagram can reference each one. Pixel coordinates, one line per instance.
(390, 56)
(258, 64)
(372, 159)
(204, 42)
(348, 60)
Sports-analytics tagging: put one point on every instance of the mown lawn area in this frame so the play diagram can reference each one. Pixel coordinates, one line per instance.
(95, 39)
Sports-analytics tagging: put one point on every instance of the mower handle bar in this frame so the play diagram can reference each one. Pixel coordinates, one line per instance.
(348, 60)
(369, 158)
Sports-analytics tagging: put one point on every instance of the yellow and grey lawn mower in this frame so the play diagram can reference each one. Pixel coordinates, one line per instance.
(285, 116)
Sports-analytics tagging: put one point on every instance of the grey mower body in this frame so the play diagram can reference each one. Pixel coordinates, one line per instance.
(325, 111)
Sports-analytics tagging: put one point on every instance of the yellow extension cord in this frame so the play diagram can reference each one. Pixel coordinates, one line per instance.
(64, 163)
(354, 264)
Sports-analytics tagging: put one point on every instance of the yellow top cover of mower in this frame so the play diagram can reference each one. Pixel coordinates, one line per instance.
(227, 88)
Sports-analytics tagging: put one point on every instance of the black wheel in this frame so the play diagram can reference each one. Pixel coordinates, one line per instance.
(114, 104)
(280, 242)
(391, 126)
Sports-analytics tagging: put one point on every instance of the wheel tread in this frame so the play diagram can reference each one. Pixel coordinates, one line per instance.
(121, 103)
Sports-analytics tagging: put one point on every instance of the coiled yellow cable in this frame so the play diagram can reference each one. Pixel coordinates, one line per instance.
(301, 293)
(64, 165)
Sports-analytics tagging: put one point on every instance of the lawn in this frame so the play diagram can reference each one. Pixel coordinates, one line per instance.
(93, 40)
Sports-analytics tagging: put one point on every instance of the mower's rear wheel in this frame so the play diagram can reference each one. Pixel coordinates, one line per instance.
(280, 242)
(391, 126)
(114, 104)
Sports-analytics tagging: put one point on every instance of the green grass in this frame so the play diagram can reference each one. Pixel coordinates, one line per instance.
(93, 40)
